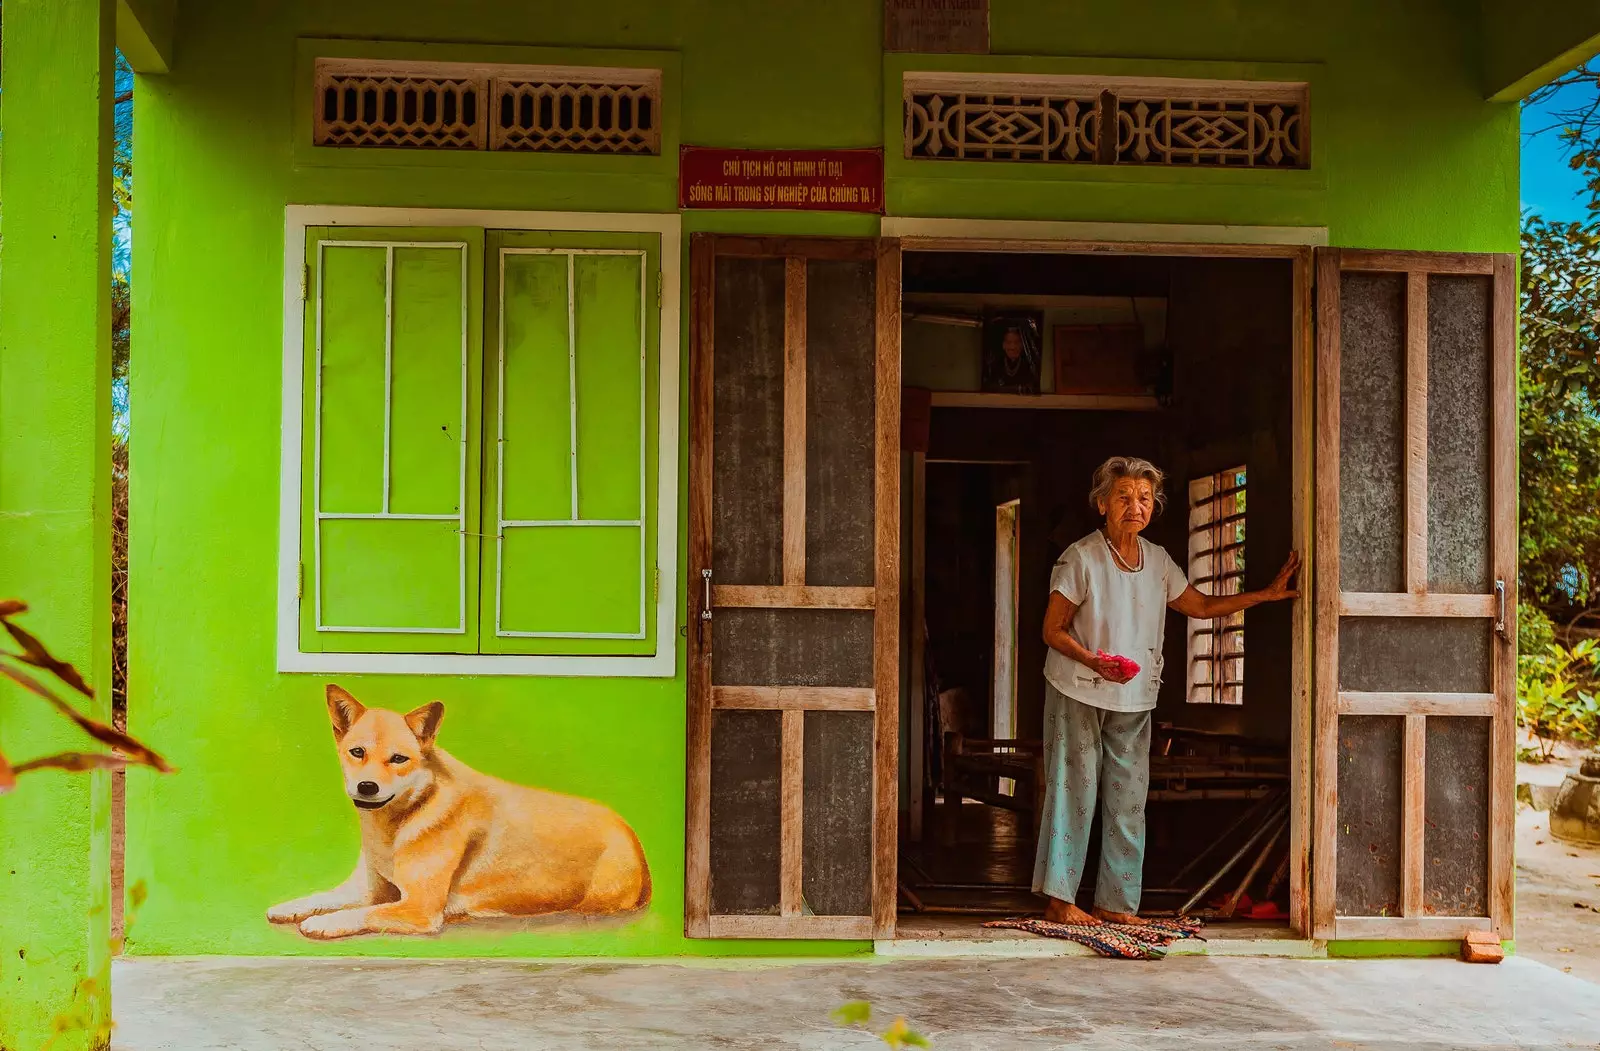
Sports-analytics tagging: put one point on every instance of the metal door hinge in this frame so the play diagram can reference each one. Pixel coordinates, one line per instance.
(300, 582)
(305, 281)
(658, 288)
(655, 586)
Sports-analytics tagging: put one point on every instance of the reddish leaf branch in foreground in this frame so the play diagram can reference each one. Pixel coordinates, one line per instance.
(35, 656)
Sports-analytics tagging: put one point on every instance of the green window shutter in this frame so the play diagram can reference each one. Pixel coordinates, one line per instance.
(570, 432)
(391, 441)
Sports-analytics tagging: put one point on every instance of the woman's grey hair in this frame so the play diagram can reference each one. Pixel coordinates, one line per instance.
(1106, 475)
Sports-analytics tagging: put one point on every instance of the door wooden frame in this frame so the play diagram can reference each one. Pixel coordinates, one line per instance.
(1333, 603)
(883, 597)
(973, 237)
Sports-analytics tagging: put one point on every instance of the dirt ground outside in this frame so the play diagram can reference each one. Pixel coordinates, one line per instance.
(1558, 884)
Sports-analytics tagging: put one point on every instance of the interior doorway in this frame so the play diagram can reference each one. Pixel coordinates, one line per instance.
(1003, 692)
(1195, 360)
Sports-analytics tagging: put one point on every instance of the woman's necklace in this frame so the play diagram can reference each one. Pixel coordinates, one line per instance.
(1118, 556)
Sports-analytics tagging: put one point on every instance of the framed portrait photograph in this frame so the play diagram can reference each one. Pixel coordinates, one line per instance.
(1012, 350)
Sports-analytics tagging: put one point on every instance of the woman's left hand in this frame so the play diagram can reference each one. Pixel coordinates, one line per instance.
(1284, 584)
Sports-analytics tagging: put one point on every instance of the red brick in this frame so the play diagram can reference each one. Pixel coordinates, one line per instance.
(1482, 947)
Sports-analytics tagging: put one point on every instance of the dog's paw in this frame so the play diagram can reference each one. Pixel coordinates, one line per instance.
(332, 925)
(288, 912)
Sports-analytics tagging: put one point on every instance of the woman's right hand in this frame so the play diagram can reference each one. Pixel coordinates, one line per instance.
(1111, 670)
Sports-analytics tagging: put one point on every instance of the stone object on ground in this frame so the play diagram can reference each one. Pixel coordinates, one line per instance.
(1482, 947)
(1575, 813)
(1537, 796)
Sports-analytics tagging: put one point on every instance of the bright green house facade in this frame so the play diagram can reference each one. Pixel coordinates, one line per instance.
(267, 268)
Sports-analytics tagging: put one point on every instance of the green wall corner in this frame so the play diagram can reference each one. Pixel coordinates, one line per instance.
(55, 508)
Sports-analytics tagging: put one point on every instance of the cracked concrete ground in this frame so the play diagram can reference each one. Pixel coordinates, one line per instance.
(960, 1004)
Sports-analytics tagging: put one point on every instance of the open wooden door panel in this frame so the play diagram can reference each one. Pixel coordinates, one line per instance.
(793, 568)
(1415, 578)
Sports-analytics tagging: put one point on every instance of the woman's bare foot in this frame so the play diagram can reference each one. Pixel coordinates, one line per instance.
(1107, 916)
(1059, 911)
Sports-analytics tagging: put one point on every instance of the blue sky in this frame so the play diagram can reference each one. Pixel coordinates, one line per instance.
(1549, 187)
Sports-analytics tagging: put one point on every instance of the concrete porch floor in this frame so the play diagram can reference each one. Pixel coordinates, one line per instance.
(960, 1004)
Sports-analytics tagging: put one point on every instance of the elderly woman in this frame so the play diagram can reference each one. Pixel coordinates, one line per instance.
(1109, 594)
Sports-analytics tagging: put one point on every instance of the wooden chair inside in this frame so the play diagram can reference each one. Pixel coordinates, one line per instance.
(974, 767)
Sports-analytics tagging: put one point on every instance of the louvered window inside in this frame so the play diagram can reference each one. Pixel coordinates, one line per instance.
(1216, 567)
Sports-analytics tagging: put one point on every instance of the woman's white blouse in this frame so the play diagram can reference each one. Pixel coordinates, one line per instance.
(1118, 612)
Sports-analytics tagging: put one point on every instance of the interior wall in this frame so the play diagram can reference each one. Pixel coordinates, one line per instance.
(1230, 331)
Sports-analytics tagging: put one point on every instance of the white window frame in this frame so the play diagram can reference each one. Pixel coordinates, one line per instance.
(290, 657)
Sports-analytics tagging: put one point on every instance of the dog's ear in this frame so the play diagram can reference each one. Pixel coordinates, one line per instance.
(343, 710)
(424, 722)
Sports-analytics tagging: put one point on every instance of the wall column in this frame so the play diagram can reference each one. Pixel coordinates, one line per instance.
(57, 83)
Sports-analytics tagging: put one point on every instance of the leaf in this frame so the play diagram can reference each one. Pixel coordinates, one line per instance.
(35, 653)
(106, 735)
(900, 1035)
(855, 1012)
(10, 607)
(8, 777)
(75, 762)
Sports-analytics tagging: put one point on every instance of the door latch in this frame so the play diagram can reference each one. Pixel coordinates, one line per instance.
(1500, 609)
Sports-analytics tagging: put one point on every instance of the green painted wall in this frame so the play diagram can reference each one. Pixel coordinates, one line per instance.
(55, 507)
(1407, 155)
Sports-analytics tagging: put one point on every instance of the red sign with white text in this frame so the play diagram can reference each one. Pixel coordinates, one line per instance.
(796, 180)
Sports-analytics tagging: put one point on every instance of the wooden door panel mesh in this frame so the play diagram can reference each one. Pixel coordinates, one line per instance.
(793, 674)
(1415, 567)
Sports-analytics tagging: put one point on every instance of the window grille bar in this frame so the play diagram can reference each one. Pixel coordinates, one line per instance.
(1207, 552)
(1206, 527)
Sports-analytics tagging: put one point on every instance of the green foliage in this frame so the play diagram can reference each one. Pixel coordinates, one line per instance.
(1559, 421)
(1559, 376)
(1556, 697)
(855, 1012)
(1534, 630)
(898, 1035)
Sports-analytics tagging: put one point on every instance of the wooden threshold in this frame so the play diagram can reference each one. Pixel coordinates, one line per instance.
(833, 928)
(795, 698)
(785, 596)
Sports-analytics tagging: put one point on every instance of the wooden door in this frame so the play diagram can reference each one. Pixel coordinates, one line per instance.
(1414, 586)
(794, 588)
